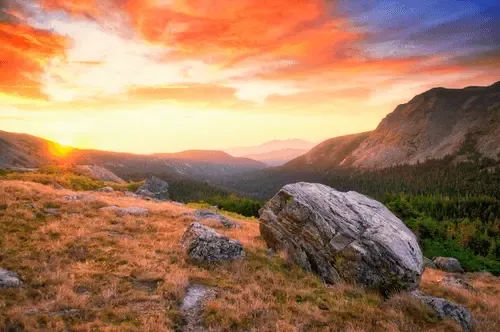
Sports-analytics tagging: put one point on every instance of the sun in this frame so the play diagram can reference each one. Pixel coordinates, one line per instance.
(61, 147)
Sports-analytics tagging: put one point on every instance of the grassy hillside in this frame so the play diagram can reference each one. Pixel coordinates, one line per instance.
(86, 269)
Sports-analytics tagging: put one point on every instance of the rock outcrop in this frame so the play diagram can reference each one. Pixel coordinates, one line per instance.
(448, 264)
(154, 188)
(205, 245)
(445, 309)
(99, 173)
(342, 237)
(133, 211)
(9, 279)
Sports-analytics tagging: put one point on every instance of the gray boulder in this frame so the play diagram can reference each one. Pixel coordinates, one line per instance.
(205, 245)
(456, 281)
(133, 211)
(9, 279)
(157, 187)
(80, 197)
(445, 309)
(57, 186)
(448, 264)
(429, 263)
(342, 237)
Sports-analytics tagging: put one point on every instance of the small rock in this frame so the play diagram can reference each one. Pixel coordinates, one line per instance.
(205, 245)
(54, 212)
(57, 186)
(456, 281)
(30, 205)
(145, 193)
(157, 187)
(204, 214)
(448, 264)
(177, 203)
(66, 312)
(134, 211)
(106, 190)
(445, 309)
(80, 197)
(131, 194)
(429, 263)
(9, 279)
(192, 306)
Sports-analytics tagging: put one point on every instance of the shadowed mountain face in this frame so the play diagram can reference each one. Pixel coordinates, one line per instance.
(25, 151)
(432, 125)
(330, 153)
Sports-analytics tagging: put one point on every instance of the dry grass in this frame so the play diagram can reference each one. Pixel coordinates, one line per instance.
(89, 270)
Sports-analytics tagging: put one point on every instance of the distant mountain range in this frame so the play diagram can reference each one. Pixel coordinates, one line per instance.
(26, 151)
(274, 153)
(432, 125)
(462, 123)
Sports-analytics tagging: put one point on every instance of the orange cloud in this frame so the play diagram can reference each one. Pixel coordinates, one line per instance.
(209, 95)
(24, 51)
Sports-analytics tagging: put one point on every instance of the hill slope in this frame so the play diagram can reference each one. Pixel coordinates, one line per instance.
(26, 151)
(330, 153)
(88, 269)
(432, 125)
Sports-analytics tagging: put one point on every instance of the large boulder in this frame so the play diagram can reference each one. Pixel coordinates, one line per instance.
(156, 187)
(342, 237)
(445, 309)
(204, 245)
(9, 279)
(448, 264)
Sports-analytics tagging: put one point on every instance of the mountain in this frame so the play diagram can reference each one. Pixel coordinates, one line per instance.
(26, 151)
(330, 153)
(277, 157)
(211, 156)
(434, 124)
(270, 147)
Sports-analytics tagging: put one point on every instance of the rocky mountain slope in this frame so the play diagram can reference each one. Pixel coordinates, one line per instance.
(25, 151)
(330, 153)
(434, 124)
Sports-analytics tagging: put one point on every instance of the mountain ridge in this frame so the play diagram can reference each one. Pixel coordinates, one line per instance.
(28, 151)
(432, 125)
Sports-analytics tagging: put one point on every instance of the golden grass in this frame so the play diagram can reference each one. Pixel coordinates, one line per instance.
(90, 270)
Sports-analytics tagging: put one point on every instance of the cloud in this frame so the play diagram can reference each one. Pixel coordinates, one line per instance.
(250, 52)
(24, 52)
(199, 95)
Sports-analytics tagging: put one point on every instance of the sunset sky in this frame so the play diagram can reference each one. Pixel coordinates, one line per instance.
(169, 75)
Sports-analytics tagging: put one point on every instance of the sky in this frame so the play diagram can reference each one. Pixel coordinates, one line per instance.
(150, 76)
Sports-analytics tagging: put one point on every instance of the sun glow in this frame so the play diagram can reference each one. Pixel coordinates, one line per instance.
(61, 149)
